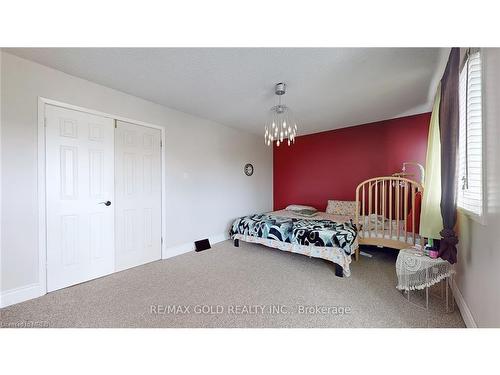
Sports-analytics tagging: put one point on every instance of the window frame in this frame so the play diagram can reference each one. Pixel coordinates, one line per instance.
(481, 219)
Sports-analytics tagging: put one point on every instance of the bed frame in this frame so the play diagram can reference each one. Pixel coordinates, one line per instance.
(392, 198)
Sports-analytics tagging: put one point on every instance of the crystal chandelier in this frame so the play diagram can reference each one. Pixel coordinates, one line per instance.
(281, 125)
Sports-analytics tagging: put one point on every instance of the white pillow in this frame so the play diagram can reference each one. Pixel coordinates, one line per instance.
(298, 207)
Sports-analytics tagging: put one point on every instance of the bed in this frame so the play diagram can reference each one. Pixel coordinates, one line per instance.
(388, 212)
(325, 236)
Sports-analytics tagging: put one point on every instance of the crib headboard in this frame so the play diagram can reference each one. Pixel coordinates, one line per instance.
(386, 212)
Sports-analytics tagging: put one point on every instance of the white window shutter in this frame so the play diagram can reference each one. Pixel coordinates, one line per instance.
(470, 184)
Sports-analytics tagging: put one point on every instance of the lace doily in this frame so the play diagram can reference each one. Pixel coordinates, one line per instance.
(417, 271)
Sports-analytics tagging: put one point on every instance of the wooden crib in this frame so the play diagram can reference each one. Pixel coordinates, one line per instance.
(386, 212)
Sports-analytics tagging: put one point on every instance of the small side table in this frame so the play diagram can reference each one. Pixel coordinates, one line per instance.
(417, 271)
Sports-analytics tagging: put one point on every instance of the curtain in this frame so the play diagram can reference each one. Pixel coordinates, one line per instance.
(449, 126)
(431, 222)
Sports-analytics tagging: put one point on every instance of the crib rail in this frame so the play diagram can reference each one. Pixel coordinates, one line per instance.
(382, 214)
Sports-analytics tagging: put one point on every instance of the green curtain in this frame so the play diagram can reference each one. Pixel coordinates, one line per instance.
(431, 221)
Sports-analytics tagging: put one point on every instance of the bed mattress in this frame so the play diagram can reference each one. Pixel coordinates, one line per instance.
(325, 236)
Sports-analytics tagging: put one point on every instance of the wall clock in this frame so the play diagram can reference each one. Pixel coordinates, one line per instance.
(248, 169)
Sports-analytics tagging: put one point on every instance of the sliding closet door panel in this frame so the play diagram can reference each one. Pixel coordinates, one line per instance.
(138, 195)
(79, 176)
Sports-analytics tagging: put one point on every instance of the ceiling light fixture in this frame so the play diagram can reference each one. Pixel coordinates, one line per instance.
(281, 124)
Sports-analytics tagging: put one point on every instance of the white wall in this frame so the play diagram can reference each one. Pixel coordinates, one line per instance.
(478, 266)
(206, 186)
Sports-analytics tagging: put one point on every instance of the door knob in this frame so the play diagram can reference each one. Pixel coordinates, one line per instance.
(107, 203)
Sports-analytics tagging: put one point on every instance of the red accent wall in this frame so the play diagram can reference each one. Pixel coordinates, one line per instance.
(329, 165)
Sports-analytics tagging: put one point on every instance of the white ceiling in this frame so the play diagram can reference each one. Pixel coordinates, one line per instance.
(328, 88)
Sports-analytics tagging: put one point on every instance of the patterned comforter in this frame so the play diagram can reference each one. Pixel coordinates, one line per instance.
(305, 232)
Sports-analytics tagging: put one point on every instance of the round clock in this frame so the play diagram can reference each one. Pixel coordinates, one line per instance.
(248, 169)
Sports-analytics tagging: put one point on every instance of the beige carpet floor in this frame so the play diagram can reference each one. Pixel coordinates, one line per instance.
(249, 286)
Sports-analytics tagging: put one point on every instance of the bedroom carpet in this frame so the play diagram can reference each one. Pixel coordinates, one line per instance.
(249, 286)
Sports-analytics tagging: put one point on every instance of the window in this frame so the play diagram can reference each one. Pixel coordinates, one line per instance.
(470, 162)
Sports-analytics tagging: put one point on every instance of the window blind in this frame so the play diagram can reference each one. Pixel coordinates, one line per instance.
(470, 184)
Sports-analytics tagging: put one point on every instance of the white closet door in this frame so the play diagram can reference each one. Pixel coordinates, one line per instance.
(138, 195)
(79, 177)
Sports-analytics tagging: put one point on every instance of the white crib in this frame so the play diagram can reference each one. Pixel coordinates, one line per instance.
(384, 213)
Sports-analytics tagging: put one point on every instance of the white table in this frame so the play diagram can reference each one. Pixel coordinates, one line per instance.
(416, 271)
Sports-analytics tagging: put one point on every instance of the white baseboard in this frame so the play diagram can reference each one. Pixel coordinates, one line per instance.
(218, 238)
(189, 246)
(463, 307)
(17, 295)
